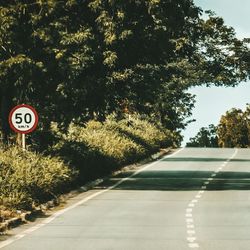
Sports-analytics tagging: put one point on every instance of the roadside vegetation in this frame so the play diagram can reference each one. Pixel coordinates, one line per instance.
(29, 178)
(233, 130)
(80, 155)
(206, 137)
(109, 80)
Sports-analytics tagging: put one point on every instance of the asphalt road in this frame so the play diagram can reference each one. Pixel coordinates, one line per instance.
(194, 199)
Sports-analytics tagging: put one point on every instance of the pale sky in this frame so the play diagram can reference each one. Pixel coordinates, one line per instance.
(213, 102)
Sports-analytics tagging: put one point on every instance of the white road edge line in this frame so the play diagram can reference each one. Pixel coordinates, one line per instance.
(55, 215)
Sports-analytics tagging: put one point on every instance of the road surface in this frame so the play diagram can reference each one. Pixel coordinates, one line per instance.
(193, 199)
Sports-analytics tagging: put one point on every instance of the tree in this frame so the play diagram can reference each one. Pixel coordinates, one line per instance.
(42, 56)
(233, 129)
(206, 137)
(247, 118)
(79, 60)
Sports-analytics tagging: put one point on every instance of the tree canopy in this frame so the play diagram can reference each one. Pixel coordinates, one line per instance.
(206, 137)
(79, 60)
(234, 128)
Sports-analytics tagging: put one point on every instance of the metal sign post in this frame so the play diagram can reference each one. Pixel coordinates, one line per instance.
(23, 142)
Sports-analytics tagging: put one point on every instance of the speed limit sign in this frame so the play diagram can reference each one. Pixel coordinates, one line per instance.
(23, 119)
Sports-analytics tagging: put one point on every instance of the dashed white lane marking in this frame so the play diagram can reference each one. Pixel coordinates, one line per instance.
(191, 234)
(84, 200)
(193, 245)
(189, 220)
(190, 231)
(191, 239)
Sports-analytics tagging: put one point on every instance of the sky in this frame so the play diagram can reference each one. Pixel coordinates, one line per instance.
(213, 102)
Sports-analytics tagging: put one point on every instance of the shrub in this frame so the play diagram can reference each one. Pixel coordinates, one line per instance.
(28, 177)
(95, 149)
(99, 148)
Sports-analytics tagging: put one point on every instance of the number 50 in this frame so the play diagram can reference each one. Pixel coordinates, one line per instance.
(19, 117)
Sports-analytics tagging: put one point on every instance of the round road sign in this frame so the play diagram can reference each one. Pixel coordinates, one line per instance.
(23, 119)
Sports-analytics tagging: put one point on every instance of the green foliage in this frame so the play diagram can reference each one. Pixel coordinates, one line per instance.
(221, 55)
(108, 142)
(99, 148)
(80, 155)
(75, 66)
(76, 61)
(206, 137)
(27, 178)
(233, 129)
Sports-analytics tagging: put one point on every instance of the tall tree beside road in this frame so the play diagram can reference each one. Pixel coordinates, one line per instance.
(247, 117)
(78, 60)
(233, 129)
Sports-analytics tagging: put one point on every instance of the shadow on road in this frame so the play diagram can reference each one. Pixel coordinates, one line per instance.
(200, 159)
(180, 180)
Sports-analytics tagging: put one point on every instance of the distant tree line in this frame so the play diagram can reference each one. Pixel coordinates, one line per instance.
(79, 60)
(232, 131)
(206, 137)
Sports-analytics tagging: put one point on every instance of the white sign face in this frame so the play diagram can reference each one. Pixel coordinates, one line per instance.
(23, 119)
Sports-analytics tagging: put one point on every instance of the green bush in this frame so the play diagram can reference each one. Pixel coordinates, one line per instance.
(82, 154)
(141, 131)
(99, 148)
(109, 142)
(28, 177)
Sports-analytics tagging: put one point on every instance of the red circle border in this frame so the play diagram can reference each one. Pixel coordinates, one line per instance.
(23, 106)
